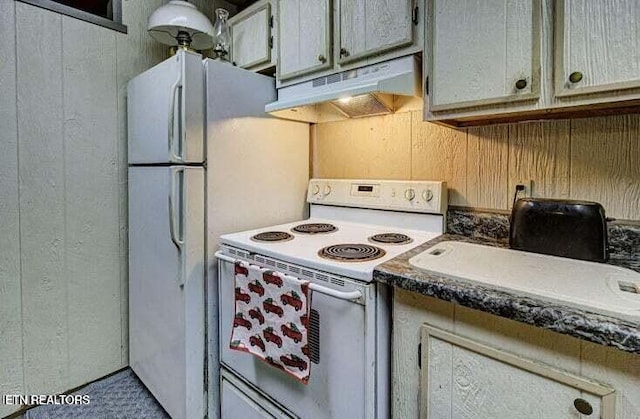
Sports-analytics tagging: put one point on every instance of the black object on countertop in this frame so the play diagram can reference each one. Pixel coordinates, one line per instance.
(572, 229)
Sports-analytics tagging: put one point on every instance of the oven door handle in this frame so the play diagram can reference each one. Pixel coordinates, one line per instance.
(343, 295)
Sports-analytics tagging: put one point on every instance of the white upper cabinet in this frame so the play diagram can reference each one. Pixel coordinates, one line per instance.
(597, 46)
(322, 37)
(251, 37)
(369, 27)
(304, 37)
(483, 52)
(499, 60)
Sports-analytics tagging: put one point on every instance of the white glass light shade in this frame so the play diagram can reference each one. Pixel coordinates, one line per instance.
(180, 16)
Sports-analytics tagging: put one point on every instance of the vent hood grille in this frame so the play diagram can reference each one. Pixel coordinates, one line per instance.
(334, 78)
(330, 79)
(364, 105)
(358, 92)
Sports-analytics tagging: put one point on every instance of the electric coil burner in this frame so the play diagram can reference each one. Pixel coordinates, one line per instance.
(351, 252)
(272, 236)
(390, 238)
(314, 228)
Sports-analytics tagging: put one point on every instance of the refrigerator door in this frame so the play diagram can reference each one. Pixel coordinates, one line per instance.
(165, 108)
(257, 174)
(257, 165)
(166, 285)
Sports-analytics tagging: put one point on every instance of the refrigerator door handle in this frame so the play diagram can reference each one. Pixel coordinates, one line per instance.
(174, 229)
(173, 156)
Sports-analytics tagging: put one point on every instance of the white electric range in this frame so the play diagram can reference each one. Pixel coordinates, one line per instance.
(354, 225)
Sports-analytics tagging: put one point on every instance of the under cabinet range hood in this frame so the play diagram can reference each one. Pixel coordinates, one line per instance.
(365, 91)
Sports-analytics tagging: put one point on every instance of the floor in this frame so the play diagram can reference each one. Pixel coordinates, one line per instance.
(120, 396)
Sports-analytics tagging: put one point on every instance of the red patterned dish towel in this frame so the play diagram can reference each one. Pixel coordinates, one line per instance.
(270, 322)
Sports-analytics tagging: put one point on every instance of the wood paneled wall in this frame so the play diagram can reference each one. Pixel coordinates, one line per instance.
(594, 158)
(63, 193)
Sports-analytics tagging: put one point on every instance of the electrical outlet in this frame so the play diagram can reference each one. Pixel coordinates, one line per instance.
(528, 186)
(521, 189)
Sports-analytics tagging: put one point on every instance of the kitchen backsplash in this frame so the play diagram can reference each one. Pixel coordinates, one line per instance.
(624, 238)
(624, 245)
(478, 225)
(593, 158)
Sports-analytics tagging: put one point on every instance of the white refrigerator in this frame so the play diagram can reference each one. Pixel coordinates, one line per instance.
(204, 160)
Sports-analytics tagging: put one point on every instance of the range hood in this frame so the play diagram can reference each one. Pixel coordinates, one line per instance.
(364, 91)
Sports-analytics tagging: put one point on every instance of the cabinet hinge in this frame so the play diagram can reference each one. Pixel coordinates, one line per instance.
(271, 21)
(414, 16)
(270, 42)
(426, 86)
(420, 355)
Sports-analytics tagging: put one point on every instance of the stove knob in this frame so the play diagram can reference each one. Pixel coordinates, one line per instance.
(327, 190)
(427, 195)
(316, 189)
(409, 194)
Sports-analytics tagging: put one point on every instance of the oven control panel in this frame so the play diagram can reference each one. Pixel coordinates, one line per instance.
(398, 195)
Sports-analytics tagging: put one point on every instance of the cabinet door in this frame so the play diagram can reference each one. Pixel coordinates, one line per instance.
(483, 52)
(304, 37)
(464, 379)
(597, 46)
(369, 27)
(251, 40)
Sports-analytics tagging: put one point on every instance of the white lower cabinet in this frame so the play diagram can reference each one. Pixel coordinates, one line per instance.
(453, 362)
(238, 400)
(461, 378)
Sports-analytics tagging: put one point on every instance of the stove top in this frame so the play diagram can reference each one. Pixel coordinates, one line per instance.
(346, 251)
(355, 225)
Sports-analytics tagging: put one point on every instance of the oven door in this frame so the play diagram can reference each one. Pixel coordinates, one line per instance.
(349, 370)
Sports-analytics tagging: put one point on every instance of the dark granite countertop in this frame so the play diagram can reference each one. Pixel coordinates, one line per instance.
(619, 333)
